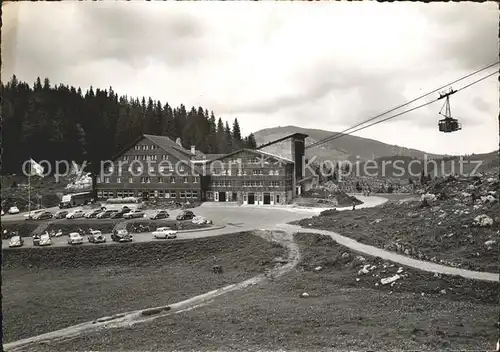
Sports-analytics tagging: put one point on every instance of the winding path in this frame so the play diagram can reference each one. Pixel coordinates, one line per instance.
(144, 315)
(280, 232)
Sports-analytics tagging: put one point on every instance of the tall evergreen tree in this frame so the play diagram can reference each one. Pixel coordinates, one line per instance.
(237, 141)
(251, 143)
(229, 139)
(59, 122)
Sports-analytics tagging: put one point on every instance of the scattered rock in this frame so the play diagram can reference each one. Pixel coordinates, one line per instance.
(490, 243)
(389, 280)
(483, 221)
(364, 270)
(304, 295)
(400, 270)
(443, 292)
(488, 199)
(318, 268)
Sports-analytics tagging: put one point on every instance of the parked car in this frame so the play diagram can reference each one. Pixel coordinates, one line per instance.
(133, 214)
(31, 215)
(164, 233)
(159, 214)
(75, 238)
(16, 241)
(121, 213)
(36, 240)
(43, 215)
(13, 210)
(121, 235)
(96, 236)
(3, 213)
(45, 240)
(106, 214)
(61, 214)
(93, 213)
(185, 215)
(75, 214)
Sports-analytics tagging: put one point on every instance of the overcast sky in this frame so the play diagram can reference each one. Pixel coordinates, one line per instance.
(326, 65)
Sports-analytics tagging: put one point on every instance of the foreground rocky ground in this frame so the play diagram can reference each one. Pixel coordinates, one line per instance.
(47, 290)
(331, 301)
(447, 225)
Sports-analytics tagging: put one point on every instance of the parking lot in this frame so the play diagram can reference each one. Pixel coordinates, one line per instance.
(234, 218)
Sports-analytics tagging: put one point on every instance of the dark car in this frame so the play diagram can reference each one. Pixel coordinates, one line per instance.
(120, 214)
(107, 214)
(43, 215)
(160, 214)
(93, 213)
(185, 215)
(61, 214)
(36, 240)
(121, 235)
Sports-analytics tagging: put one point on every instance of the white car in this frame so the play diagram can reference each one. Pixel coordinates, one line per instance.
(3, 213)
(75, 214)
(134, 213)
(45, 240)
(96, 236)
(75, 238)
(164, 233)
(13, 210)
(31, 215)
(16, 241)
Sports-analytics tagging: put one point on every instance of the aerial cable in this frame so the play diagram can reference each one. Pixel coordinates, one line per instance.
(324, 140)
(406, 111)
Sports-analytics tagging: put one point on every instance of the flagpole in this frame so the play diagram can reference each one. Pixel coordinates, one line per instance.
(29, 190)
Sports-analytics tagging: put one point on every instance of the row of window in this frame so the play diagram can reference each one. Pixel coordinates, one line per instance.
(183, 194)
(246, 184)
(146, 147)
(171, 179)
(257, 172)
(252, 160)
(138, 168)
(145, 157)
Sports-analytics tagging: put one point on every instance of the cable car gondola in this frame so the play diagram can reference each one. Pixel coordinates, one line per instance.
(448, 124)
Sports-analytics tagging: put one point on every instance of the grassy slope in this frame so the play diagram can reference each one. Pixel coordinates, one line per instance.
(341, 313)
(425, 234)
(64, 286)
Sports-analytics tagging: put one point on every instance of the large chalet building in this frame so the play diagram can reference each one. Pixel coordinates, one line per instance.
(157, 167)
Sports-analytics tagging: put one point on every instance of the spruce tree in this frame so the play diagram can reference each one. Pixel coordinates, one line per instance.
(236, 134)
(229, 139)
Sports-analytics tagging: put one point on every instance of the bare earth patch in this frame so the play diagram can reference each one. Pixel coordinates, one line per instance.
(48, 290)
(339, 313)
(420, 232)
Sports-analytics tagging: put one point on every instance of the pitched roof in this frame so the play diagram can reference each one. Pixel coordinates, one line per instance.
(166, 144)
(206, 157)
(279, 158)
(298, 135)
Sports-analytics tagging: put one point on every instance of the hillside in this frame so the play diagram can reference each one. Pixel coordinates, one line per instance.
(345, 148)
(404, 167)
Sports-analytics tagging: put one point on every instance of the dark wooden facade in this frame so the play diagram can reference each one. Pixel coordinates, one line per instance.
(146, 169)
(250, 177)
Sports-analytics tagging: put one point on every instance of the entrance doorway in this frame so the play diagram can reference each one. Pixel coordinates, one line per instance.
(251, 198)
(234, 197)
(222, 196)
(267, 198)
(277, 199)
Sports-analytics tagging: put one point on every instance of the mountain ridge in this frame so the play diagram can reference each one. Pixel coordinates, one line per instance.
(346, 147)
